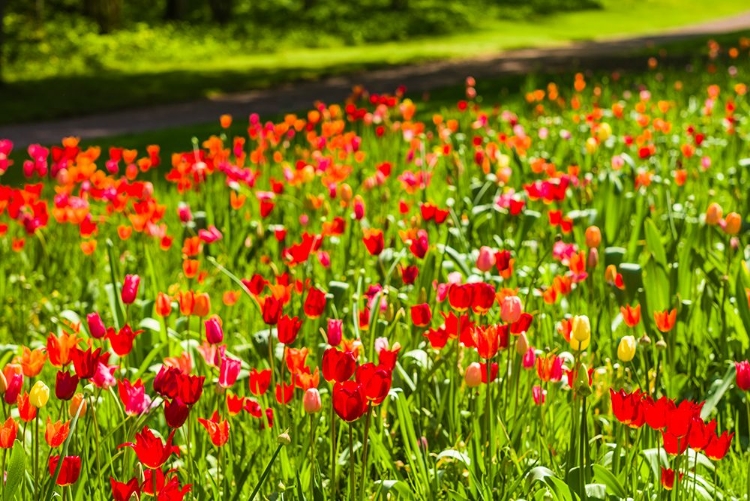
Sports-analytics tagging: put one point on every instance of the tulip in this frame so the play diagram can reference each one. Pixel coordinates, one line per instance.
(486, 259)
(338, 365)
(229, 371)
(69, 471)
(421, 315)
(163, 305)
(126, 491)
(288, 328)
(39, 395)
(202, 305)
(539, 395)
(335, 331)
(214, 332)
(593, 259)
(183, 211)
(581, 328)
(626, 349)
(511, 309)
(218, 431)
(473, 375)
(134, 397)
(631, 315)
(96, 325)
(349, 400)
(315, 303)
(713, 214)
(8, 432)
(593, 237)
(150, 450)
(743, 375)
(522, 344)
(130, 288)
(733, 223)
(374, 241)
(271, 310)
(259, 381)
(665, 320)
(77, 405)
(311, 401)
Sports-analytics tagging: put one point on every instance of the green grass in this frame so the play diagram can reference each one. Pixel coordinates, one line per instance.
(135, 79)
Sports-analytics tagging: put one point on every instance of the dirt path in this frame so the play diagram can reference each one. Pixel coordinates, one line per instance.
(299, 96)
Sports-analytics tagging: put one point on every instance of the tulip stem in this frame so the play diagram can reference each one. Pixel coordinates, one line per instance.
(312, 455)
(364, 451)
(265, 473)
(333, 452)
(36, 453)
(488, 419)
(747, 403)
(351, 463)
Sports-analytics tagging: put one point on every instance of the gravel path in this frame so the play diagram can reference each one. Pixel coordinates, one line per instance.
(422, 77)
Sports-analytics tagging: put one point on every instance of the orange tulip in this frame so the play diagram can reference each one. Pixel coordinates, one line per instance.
(32, 361)
(163, 305)
(56, 433)
(202, 305)
(8, 432)
(59, 348)
(77, 402)
(190, 267)
(631, 315)
(26, 411)
(665, 320)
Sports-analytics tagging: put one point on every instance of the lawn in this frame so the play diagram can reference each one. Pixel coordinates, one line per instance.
(143, 78)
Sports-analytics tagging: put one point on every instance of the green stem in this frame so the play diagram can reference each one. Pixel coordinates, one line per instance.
(266, 472)
(488, 419)
(333, 452)
(351, 463)
(312, 455)
(364, 451)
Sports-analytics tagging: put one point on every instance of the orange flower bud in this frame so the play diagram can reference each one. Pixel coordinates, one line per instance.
(734, 223)
(713, 214)
(593, 236)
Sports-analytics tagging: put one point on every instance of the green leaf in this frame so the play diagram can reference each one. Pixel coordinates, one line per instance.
(16, 471)
(397, 487)
(606, 477)
(717, 391)
(112, 291)
(654, 243)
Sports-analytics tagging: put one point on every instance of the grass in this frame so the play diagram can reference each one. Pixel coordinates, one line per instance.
(143, 79)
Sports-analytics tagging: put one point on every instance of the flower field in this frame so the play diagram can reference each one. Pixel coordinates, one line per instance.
(547, 298)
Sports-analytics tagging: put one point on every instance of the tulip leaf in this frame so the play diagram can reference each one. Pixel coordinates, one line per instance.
(16, 471)
(112, 291)
(654, 243)
(717, 391)
(454, 454)
(606, 477)
(401, 489)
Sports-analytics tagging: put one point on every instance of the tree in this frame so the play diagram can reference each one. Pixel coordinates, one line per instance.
(221, 10)
(175, 10)
(106, 13)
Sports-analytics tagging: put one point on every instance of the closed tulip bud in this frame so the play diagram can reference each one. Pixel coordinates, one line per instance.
(511, 309)
(96, 325)
(661, 344)
(284, 439)
(3, 384)
(183, 211)
(335, 331)
(486, 259)
(77, 402)
(214, 332)
(39, 395)
(473, 375)
(626, 349)
(522, 344)
(713, 214)
(582, 386)
(581, 328)
(359, 208)
(644, 340)
(202, 305)
(311, 401)
(593, 259)
(593, 237)
(130, 288)
(733, 223)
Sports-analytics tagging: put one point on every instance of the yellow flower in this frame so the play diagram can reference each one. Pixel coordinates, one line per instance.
(581, 328)
(39, 395)
(626, 349)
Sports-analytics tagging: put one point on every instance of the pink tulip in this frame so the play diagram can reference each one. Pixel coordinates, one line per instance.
(130, 288)
(473, 375)
(214, 332)
(511, 309)
(311, 401)
(96, 325)
(486, 259)
(335, 331)
(228, 372)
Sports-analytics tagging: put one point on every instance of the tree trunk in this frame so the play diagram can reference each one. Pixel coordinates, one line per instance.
(106, 13)
(175, 10)
(221, 10)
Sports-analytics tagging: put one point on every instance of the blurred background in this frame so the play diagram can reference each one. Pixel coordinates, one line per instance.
(68, 58)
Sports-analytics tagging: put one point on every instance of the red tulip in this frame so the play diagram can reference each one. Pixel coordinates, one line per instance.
(65, 385)
(665, 320)
(627, 407)
(175, 413)
(667, 478)
(288, 329)
(133, 397)
(26, 411)
(284, 393)
(96, 325)
(260, 381)
(235, 404)
(150, 449)
(743, 375)
(122, 341)
(674, 445)
(214, 331)
(488, 339)
(122, 491)
(335, 331)
(315, 303)
(349, 400)
(700, 433)
(631, 315)
(375, 381)
(494, 369)
(130, 288)
(482, 297)
(680, 418)
(338, 365)
(271, 310)
(409, 274)
(85, 362)
(460, 296)
(522, 325)
(420, 245)
(421, 315)
(657, 412)
(69, 471)
(718, 446)
(374, 242)
(217, 430)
